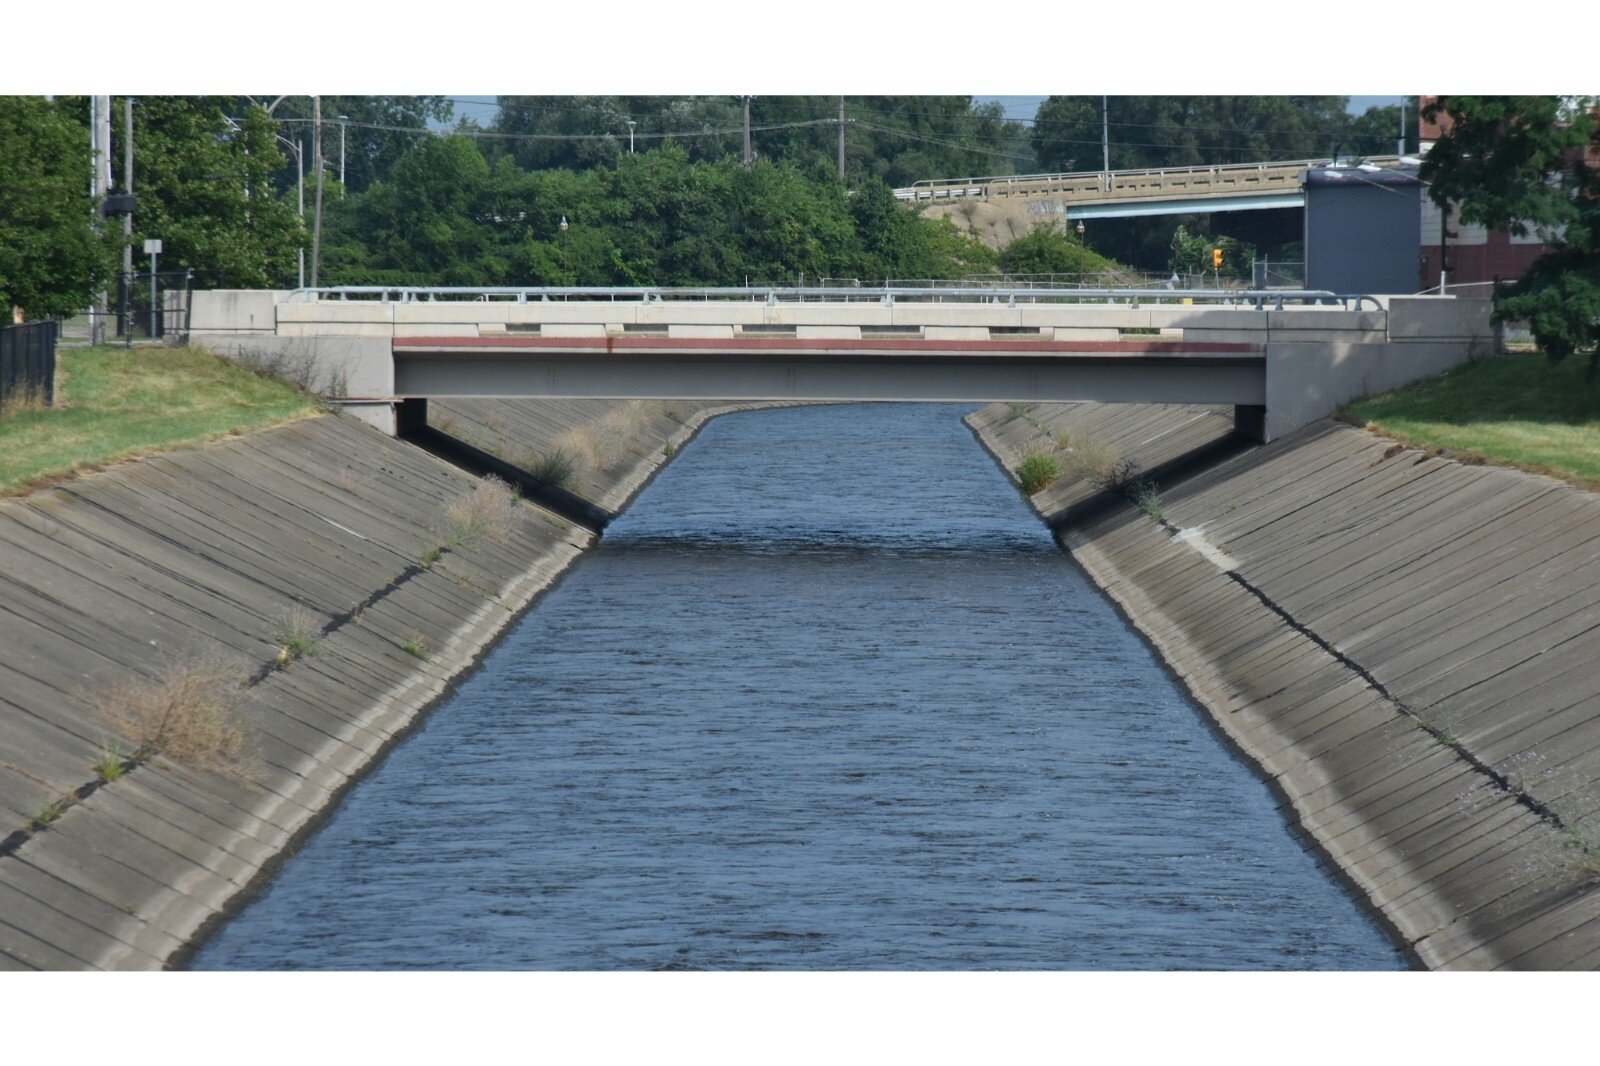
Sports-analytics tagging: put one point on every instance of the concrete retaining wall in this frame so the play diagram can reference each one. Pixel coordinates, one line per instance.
(114, 576)
(1404, 645)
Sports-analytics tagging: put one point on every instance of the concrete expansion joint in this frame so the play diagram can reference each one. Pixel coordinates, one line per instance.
(1501, 781)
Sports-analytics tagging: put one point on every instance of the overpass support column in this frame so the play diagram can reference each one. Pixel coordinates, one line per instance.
(410, 416)
(1250, 421)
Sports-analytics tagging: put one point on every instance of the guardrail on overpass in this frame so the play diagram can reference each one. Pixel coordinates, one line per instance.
(1228, 179)
(1305, 352)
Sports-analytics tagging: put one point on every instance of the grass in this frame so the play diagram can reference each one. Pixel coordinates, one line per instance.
(1037, 471)
(1517, 411)
(555, 467)
(114, 403)
(296, 634)
(110, 763)
(415, 646)
(51, 811)
(1147, 497)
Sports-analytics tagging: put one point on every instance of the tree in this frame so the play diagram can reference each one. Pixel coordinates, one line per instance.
(51, 257)
(1530, 163)
(1048, 249)
(1171, 131)
(378, 131)
(204, 186)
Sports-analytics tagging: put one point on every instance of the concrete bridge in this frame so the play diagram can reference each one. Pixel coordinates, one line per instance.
(1004, 207)
(1282, 360)
(1126, 193)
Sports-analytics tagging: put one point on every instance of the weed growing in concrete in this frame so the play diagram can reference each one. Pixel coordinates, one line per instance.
(415, 645)
(1015, 411)
(1099, 464)
(1063, 440)
(111, 762)
(1145, 495)
(430, 556)
(189, 712)
(51, 811)
(1037, 471)
(296, 635)
(483, 513)
(555, 467)
(669, 449)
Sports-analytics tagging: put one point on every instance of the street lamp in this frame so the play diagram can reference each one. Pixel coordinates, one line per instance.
(630, 136)
(342, 120)
(1080, 230)
(300, 186)
(566, 256)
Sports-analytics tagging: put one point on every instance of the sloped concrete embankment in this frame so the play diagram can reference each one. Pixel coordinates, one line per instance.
(198, 553)
(1405, 645)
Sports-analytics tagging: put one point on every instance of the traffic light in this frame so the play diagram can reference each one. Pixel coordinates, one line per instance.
(1216, 259)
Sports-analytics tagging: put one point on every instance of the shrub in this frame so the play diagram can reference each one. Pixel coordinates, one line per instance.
(482, 513)
(1037, 471)
(189, 712)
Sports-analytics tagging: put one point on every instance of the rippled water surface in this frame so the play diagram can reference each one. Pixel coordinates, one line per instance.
(826, 697)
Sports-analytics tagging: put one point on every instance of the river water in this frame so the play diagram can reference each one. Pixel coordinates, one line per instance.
(826, 697)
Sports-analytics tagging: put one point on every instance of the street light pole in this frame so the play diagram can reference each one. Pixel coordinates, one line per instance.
(630, 136)
(299, 151)
(316, 160)
(1105, 138)
(342, 120)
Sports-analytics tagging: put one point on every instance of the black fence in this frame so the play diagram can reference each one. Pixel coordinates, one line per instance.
(28, 363)
(153, 305)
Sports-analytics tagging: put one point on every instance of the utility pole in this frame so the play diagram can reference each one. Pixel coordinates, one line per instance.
(1400, 145)
(343, 120)
(101, 132)
(316, 161)
(841, 138)
(747, 133)
(127, 220)
(1105, 138)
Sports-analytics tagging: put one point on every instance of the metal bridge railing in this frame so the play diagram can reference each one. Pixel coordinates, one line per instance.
(888, 296)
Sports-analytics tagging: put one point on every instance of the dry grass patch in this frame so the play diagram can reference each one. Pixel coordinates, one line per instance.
(484, 513)
(189, 712)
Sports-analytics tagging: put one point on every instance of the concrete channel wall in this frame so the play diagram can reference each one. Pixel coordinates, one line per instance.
(111, 578)
(1403, 645)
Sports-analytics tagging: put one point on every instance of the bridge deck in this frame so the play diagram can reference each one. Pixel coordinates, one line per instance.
(753, 368)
